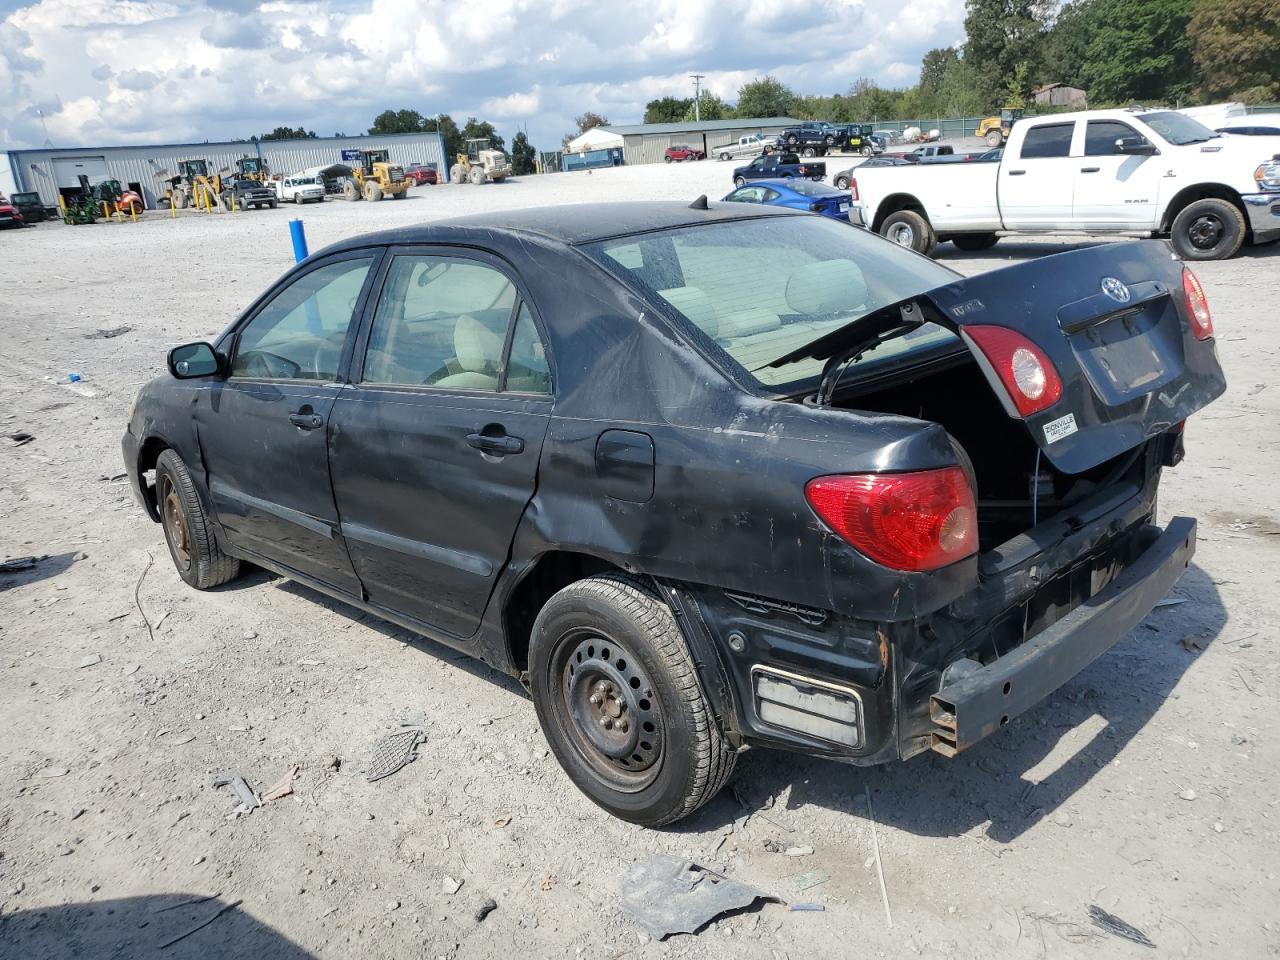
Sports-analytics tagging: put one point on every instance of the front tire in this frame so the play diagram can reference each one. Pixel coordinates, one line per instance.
(187, 528)
(739, 181)
(994, 139)
(809, 152)
(1209, 229)
(724, 156)
(618, 699)
(908, 229)
(841, 183)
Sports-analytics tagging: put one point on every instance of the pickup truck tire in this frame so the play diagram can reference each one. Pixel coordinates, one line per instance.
(724, 156)
(792, 140)
(809, 152)
(975, 241)
(1209, 229)
(273, 204)
(187, 528)
(739, 181)
(865, 151)
(618, 698)
(908, 229)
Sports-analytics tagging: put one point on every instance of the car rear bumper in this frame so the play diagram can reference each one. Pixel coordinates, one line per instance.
(982, 701)
(1263, 210)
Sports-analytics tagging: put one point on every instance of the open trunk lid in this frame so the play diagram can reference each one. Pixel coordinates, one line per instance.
(1113, 321)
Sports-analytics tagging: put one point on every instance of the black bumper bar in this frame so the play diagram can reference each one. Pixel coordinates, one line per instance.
(981, 702)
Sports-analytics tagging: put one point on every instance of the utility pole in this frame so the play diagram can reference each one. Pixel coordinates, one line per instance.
(697, 79)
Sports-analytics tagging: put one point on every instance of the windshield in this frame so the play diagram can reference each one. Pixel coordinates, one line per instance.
(759, 289)
(1178, 128)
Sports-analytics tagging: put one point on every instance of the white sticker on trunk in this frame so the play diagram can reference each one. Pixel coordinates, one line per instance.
(1055, 430)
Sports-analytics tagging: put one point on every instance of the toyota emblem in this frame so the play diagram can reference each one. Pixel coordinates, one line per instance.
(1115, 289)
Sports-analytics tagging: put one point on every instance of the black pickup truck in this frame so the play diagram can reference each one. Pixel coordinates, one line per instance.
(779, 166)
(811, 140)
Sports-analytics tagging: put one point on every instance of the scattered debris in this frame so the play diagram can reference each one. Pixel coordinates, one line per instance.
(1247, 685)
(1116, 927)
(548, 882)
(875, 841)
(502, 821)
(331, 763)
(79, 812)
(138, 603)
(393, 752)
(282, 787)
(19, 438)
(798, 852)
(1191, 644)
(449, 886)
(20, 563)
(201, 925)
(108, 334)
(806, 907)
(91, 660)
(487, 907)
(241, 788)
(1188, 794)
(53, 772)
(666, 895)
(310, 663)
(179, 740)
(1134, 853)
(803, 881)
(186, 903)
(1170, 602)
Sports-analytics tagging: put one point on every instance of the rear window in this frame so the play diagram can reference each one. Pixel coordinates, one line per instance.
(1048, 140)
(811, 188)
(756, 290)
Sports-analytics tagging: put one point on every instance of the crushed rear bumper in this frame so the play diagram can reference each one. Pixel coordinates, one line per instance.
(987, 698)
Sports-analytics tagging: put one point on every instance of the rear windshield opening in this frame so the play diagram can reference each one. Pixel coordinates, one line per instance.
(753, 291)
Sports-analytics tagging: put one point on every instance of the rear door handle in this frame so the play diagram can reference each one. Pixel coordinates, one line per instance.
(499, 445)
(306, 421)
(1090, 169)
(1016, 173)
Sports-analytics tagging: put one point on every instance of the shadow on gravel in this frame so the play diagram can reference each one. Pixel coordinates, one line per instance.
(139, 927)
(50, 566)
(1008, 782)
(1011, 250)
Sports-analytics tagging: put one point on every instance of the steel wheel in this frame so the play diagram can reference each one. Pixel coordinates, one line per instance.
(610, 701)
(902, 234)
(1206, 231)
(177, 532)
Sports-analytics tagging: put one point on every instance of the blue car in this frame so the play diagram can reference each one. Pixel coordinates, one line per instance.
(797, 194)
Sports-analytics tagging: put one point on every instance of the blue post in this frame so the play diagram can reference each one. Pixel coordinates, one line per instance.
(299, 238)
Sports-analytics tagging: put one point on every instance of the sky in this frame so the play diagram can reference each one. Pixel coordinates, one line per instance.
(102, 72)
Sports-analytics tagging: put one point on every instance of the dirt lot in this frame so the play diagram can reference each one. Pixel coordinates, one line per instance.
(1146, 786)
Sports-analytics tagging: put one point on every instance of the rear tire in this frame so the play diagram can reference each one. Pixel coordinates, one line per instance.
(188, 530)
(994, 139)
(809, 152)
(477, 175)
(739, 181)
(661, 754)
(975, 241)
(372, 192)
(908, 229)
(724, 156)
(1209, 229)
(350, 191)
(841, 183)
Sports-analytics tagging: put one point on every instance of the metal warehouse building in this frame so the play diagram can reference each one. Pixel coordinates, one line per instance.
(54, 171)
(647, 142)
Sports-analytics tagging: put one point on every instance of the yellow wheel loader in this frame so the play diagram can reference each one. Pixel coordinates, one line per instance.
(995, 130)
(480, 164)
(375, 178)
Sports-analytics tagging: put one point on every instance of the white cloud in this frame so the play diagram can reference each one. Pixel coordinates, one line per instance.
(107, 71)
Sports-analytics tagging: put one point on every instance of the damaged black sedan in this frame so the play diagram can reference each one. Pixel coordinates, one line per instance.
(702, 477)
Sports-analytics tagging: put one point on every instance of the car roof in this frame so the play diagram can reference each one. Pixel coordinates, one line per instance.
(572, 223)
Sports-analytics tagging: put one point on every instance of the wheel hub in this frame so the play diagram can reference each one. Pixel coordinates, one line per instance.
(175, 526)
(610, 701)
(1205, 231)
(902, 235)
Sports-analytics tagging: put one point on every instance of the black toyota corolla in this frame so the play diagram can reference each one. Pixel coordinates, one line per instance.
(701, 477)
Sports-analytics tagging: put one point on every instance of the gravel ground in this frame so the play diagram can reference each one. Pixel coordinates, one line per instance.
(1147, 785)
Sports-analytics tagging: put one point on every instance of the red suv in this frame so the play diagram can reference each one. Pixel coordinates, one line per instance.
(682, 151)
(9, 215)
(420, 174)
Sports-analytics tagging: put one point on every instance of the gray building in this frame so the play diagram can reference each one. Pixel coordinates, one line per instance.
(54, 171)
(648, 142)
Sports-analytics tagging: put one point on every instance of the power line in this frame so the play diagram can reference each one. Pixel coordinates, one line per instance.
(697, 79)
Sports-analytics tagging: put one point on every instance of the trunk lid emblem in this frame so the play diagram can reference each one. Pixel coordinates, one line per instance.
(1115, 289)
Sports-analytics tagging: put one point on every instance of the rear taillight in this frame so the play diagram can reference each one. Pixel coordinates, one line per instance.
(853, 189)
(1028, 375)
(908, 521)
(1197, 306)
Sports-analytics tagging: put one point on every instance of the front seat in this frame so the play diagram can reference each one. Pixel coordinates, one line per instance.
(478, 350)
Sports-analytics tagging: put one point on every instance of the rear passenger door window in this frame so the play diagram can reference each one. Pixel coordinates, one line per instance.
(1048, 140)
(441, 322)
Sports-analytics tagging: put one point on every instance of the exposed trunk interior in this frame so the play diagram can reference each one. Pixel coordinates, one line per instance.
(1012, 496)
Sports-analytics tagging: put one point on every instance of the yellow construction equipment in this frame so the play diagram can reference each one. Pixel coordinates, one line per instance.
(254, 169)
(480, 164)
(995, 130)
(192, 187)
(375, 178)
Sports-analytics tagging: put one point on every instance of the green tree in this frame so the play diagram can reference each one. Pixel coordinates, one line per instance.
(764, 97)
(1236, 44)
(589, 121)
(1000, 34)
(667, 109)
(449, 132)
(482, 129)
(1139, 51)
(710, 107)
(935, 66)
(869, 101)
(523, 155)
(288, 133)
(1067, 44)
(399, 121)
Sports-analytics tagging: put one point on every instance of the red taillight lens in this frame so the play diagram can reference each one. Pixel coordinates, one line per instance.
(1197, 306)
(853, 189)
(1027, 373)
(908, 521)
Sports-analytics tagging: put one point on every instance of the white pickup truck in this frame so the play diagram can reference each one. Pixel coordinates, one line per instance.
(1121, 172)
(749, 146)
(299, 187)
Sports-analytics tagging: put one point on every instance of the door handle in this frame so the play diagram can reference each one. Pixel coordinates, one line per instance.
(498, 446)
(306, 421)
(1090, 169)
(1016, 173)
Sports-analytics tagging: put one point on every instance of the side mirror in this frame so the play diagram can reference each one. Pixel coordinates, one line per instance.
(192, 360)
(1136, 146)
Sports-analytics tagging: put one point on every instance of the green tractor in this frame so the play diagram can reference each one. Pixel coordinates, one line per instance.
(81, 207)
